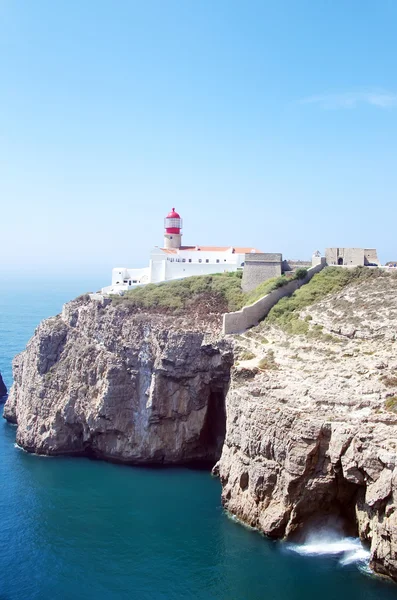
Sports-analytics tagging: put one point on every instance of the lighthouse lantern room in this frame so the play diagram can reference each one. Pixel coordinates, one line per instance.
(173, 230)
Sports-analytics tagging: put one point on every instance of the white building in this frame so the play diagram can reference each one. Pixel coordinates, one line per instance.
(175, 261)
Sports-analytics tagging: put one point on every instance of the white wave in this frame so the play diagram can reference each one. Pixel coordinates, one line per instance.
(359, 555)
(350, 549)
(18, 447)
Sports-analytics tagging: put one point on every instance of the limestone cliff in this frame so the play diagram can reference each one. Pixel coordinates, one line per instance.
(103, 381)
(311, 422)
(3, 389)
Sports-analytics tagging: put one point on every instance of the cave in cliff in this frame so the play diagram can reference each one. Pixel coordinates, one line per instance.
(213, 432)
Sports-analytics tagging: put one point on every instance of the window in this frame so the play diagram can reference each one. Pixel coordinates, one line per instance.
(190, 260)
(242, 264)
(125, 280)
(129, 283)
(134, 281)
(217, 260)
(224, 260)
(207, 260)
(200, 260)
(183, 259)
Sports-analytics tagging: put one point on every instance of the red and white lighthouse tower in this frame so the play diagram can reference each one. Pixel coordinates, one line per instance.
(173, 230)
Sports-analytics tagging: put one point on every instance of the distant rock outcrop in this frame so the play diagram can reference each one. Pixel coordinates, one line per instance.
(3, 389)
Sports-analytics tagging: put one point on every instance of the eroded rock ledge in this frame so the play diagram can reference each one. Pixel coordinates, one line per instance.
(102, 381)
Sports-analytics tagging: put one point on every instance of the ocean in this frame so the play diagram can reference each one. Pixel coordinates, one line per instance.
(73, 528)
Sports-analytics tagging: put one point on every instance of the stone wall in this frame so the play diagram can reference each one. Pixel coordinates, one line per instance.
(371, 256)
(345, 256)
(259, 267)
(241, 320)
(293, 265)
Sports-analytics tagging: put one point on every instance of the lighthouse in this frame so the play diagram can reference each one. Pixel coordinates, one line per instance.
(172, 230)
(175, 261)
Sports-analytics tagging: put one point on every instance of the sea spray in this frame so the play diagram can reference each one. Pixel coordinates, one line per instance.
(330, 543)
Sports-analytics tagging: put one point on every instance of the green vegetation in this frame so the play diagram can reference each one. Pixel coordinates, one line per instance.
(389, 381)
(268, 362)
(246, 355)
(329, 281)
(183, 293)
(223, 290)
(300, 273)
(271, 284)
(391, 404)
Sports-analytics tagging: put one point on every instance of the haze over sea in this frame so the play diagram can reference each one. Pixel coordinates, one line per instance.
(75, 528)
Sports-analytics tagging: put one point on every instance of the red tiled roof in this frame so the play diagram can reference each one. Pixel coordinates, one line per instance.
(236, 250)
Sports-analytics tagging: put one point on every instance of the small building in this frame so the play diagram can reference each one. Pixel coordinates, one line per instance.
(352, 257)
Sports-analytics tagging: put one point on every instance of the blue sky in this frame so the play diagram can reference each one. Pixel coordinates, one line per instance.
(271, 124)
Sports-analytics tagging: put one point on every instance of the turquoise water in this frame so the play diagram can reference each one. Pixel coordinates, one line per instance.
(73, 528)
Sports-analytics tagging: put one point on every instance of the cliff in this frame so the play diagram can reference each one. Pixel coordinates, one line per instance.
(301, 411)
(3, 389)
(105, 381)
(311, 420)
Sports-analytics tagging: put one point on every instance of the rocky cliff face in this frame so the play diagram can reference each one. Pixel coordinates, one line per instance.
(313, 433)
(3, 389)
(102, 381)
(311, 423)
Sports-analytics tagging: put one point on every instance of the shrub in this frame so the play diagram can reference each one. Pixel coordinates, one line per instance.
(300, 273)
(389, 381)
(223, 290)
(328, 281)
(264, 288)
(391, 404)
(247, 355)
(268, 362)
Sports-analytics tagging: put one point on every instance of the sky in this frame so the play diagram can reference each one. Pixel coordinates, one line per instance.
(270, 124)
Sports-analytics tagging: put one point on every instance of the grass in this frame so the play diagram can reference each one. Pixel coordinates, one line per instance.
(270, 285)
(391, 404)
(247, 355)
(268, 362)
(389, 381)
(224, 290)
(330, 280)
(222, 293)
(181, 294)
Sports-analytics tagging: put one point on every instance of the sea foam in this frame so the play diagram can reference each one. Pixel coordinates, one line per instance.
(350, 549)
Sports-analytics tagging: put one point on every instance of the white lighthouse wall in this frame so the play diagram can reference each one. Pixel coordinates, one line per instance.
(166, 266)
(186, 263)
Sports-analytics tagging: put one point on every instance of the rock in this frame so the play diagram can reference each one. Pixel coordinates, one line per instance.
(309, 438)
(132, 388)
(318, 442)
(3, 389)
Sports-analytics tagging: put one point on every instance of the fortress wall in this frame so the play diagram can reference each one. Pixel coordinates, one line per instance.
(371, 256)
(256, 273)
(292, 265)
(241, 320)
(350, 256)
(259, 267)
